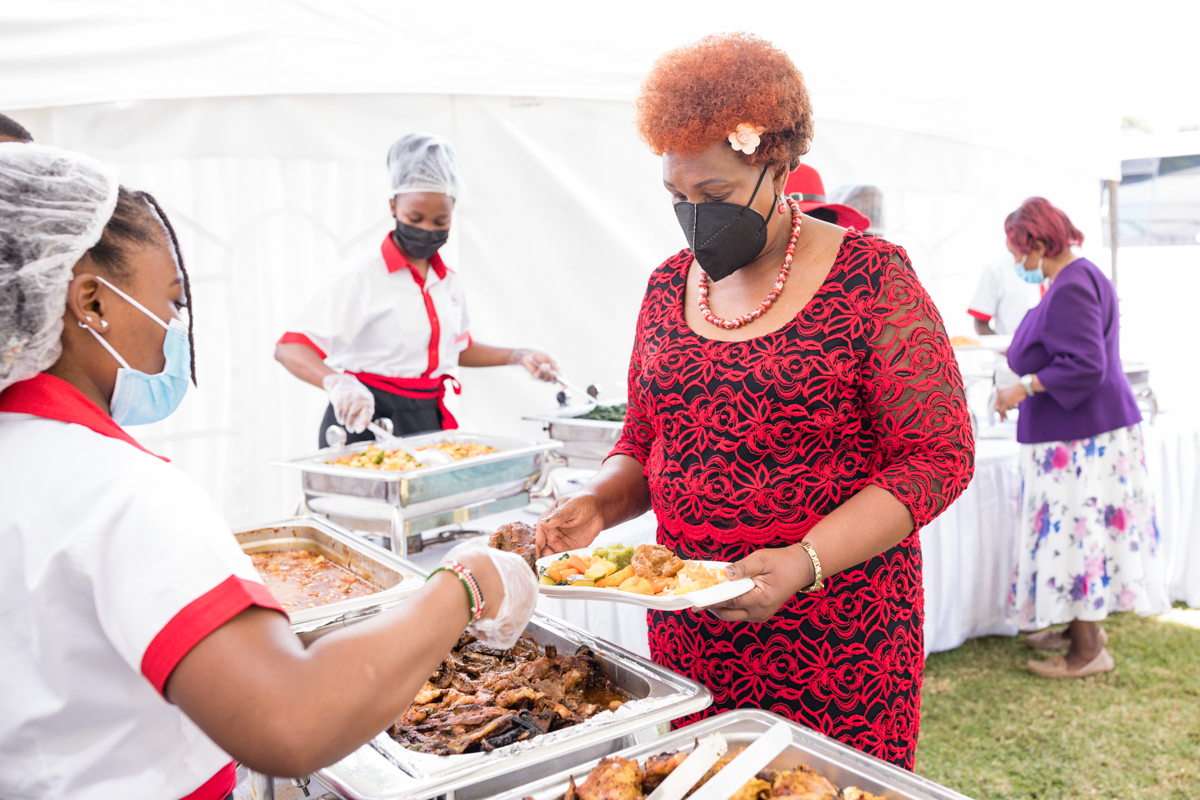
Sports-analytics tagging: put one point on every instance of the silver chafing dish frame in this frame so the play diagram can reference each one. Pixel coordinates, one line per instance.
(402, 503)
(396, 577)
(585, 442)
(385, 770)
(842, 765)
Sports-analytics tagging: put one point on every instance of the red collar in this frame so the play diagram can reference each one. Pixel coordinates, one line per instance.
(53, 398)
(396, 261)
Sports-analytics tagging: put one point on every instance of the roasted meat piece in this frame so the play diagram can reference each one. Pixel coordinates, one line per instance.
(614, 778)
(854, 793)
(519, 538)
(655, 561)
(802, 783)
(659, 767)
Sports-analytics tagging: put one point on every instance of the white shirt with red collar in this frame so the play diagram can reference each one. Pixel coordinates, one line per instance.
(113, 566)
(377, 316)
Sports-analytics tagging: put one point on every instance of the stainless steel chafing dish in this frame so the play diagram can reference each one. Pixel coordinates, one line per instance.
(842, 765)
(395, 577)
(402, 504)
(383, 770)
(585, 442)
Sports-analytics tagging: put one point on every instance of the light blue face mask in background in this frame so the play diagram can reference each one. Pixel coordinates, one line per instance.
(1030, 275)
(138, 398)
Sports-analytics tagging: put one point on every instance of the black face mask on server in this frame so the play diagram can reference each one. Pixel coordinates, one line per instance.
(419, 242)
(724, 237)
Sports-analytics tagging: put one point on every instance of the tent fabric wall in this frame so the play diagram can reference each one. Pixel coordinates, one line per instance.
(562, 219)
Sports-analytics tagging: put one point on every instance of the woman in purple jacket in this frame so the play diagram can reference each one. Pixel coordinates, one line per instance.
(1088, 545)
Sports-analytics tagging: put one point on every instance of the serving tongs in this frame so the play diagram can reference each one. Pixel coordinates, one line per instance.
(726, 783)
(592, 391)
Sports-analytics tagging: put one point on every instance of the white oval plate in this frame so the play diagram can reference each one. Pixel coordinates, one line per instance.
(698, 599)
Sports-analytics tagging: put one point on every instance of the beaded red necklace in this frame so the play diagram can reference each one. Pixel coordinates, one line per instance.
(745, 319)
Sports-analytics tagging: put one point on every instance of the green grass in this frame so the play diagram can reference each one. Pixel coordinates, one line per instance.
(993, 731)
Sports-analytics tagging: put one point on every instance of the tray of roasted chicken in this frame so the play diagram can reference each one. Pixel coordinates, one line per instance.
(318, 571)
(488, 721)
(811, 767)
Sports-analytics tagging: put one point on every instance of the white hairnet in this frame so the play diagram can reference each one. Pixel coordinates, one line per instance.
(54, 205)
(422, 162)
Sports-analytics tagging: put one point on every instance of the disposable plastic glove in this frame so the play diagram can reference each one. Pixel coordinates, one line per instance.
(520, 595)
(540, 365)
(353, 403)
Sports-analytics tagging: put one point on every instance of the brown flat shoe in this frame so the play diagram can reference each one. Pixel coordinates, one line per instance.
(1056, 667)
(1056, 640)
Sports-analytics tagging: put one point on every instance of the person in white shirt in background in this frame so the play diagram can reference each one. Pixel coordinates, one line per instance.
(387, 333)
(1002, 299)
(140, 651)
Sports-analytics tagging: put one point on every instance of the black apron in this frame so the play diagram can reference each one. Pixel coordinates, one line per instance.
(409, 416)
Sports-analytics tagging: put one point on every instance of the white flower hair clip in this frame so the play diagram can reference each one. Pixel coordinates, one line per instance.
(746, 138)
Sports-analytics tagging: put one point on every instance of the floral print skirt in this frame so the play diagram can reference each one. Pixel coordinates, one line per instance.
(1088, 544)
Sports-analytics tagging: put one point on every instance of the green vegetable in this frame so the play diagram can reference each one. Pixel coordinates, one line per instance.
(606, 413)
(619, 554)
(379, 458)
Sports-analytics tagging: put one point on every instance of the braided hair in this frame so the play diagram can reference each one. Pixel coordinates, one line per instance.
(138, 220)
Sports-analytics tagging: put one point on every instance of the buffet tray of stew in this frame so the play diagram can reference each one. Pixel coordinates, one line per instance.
(812, 767)
(317, 571)
(489, 721)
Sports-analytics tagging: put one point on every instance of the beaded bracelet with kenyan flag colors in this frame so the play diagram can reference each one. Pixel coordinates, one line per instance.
(474, 596)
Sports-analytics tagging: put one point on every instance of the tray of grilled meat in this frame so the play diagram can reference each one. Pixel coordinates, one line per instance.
(488, 721)
(319, 571)
(810, 767)
(588, 431)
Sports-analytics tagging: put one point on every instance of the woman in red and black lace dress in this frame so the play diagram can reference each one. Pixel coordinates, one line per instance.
(793, 400)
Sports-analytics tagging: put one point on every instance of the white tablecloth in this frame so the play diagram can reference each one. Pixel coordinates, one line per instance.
(1172, 452)
(968, 552)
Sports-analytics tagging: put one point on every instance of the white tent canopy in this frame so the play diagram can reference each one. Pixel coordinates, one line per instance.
(262, 127)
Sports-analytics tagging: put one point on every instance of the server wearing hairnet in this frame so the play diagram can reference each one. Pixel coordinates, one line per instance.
(386, 335)
(141, 651)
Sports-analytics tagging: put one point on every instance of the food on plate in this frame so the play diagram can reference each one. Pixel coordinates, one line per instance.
(964, 341)
(619, 554)
(617, 778)
(615, 413)
(300, 579)
(375, 457)
(652, 570)
(481, 699)
(655, 561)
(519, 538)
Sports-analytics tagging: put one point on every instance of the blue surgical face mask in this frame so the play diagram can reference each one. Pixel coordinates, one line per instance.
(138, 398)
(1030, 275)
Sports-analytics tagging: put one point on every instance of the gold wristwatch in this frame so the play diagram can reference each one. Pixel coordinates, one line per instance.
(819, 580)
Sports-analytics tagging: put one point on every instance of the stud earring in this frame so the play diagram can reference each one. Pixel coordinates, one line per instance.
(103, 323)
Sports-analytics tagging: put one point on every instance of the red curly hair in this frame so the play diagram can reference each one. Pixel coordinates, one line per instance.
(698, 94)
(1037, 220)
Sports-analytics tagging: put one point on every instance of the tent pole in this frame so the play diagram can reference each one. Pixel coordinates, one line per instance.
(1112, 226)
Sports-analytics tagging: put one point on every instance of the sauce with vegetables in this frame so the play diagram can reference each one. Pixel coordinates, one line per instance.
(299, 579)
